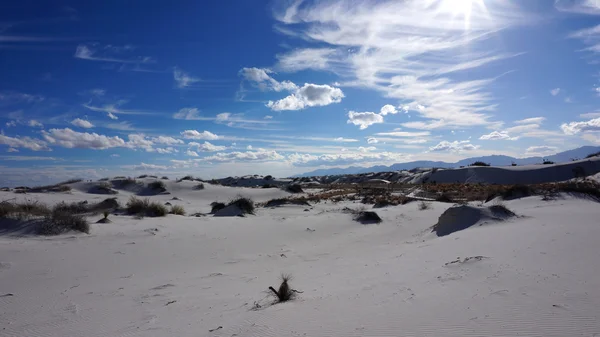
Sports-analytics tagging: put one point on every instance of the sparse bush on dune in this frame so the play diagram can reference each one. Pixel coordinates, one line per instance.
(125, 182)
(188, 177)
(480, 163)
(73, 208)
(164, 178)
(548, 162)
(144, 207)
(177, 210)
(444, 198)
(592, 155)
(216, 206)
(60, 221)
(245, 204)
(158, 186)
(285, 292)
(143, 176)
(200, 186)
(367, 217)
(423, 206)
(294, 188)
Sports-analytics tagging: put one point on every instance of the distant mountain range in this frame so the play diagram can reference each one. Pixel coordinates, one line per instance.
(561, 157)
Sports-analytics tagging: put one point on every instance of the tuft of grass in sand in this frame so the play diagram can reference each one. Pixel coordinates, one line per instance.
(61, 221)
(217, 206)
(177, 210)
(424, 206)
(285, 292)
(144, 207)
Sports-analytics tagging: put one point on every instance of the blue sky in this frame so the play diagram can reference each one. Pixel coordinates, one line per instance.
(217, 88)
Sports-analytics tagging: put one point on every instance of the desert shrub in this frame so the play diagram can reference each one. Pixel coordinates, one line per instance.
(120, 177)
(6, 209)
(216, 206)
(517, 191)
(513, 164)
(188, 177)
(143, 207)
(589, 190)
(268, 186)
(592, 155)
(245, 204)
(155, 177)
(200, 186)
(178, 210)
(23, 210)
(103, 179)
(480, 163)
(366, 217)
(106, 204)
(164, 178)
(548, 162)
(124, 182)
(284, 293)
(60, 221)
(143, 176)
(269, 177)
(157, 186)
(444, 198)
(73, 208)
(294, 188)
(71, 181)
(423, 206)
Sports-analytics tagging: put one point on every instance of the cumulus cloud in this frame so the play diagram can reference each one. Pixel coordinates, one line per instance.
(455, 146)
(308, 160)
(309, 95)
(577, 127)
(260, 78)
(193, 134)
(541, 150)
(71, 139)
(166, 150)
(12, 149)
(82, 123)
(207, 147)
(302, 59)
(555, 91)
(405, 133)
(182, 79)
(139, 140)
(498, 135)
(364, 119)
(258, 155)
(372, 140)
(166, 140)
(191, 153)
(11, 124)
(35, 124)
(388, 109)
(144, 166)
(24, 142)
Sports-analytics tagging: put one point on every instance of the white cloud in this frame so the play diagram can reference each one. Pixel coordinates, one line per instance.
(541, 150)
(166, 150)
(11, 124)
(308, 160)
(364, 119)
(138, 140)
(114, 155)
(35, 124)
(591, 7)
(309, 95)
(189, 114)
(366, 149)
(555, 91)
(404, 134)
(302, 59)
(111, 116)
(260, 78)
(345, 140)
(207, 147)
(498, 135)
(533, 120)
(455, 146)
(407, 59)
(590, 115)
(268, 117)
(12, 149)
(71, 139)
(240, 122)
(24, 142)
(182, 79)
(577, 127)
(388, 109)
(191, 153)
(193, 134)
(372, 140)
(589, 36)
(258, 155)
(166, 140)
(109, 53)
(145, 167)
(82, 123)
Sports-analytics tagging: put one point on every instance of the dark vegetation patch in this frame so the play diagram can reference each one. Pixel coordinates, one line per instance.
(284, 293)
(245, 204)
(144, 207)
(188, 177)
(592, 155)
(480, 163)
(217, 206)
(157, 186)
(285, 201)
(60, 221)
(60, 187)
(164, 178)
(200, 186)
(367, 217)
(102, 188)
(294, 188)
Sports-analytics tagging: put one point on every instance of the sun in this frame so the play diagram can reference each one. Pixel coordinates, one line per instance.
(462, 9)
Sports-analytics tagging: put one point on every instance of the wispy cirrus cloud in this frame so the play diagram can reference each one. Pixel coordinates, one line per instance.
(409, 59)
(110, 53)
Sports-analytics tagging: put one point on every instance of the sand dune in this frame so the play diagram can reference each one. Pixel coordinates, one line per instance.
(534, 275)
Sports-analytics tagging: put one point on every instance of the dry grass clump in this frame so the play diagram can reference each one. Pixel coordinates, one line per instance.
(245, 204)
(144, 207)
(294, 188)
(188, 177)
(367, 217)
(424, 206)
(164, 178)
(217, 206)
(200, 186)
(23, 210)
(60, 221)
(72, 208)
(177, 210)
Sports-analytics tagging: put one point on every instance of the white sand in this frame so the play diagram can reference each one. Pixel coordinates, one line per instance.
(181, 276)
